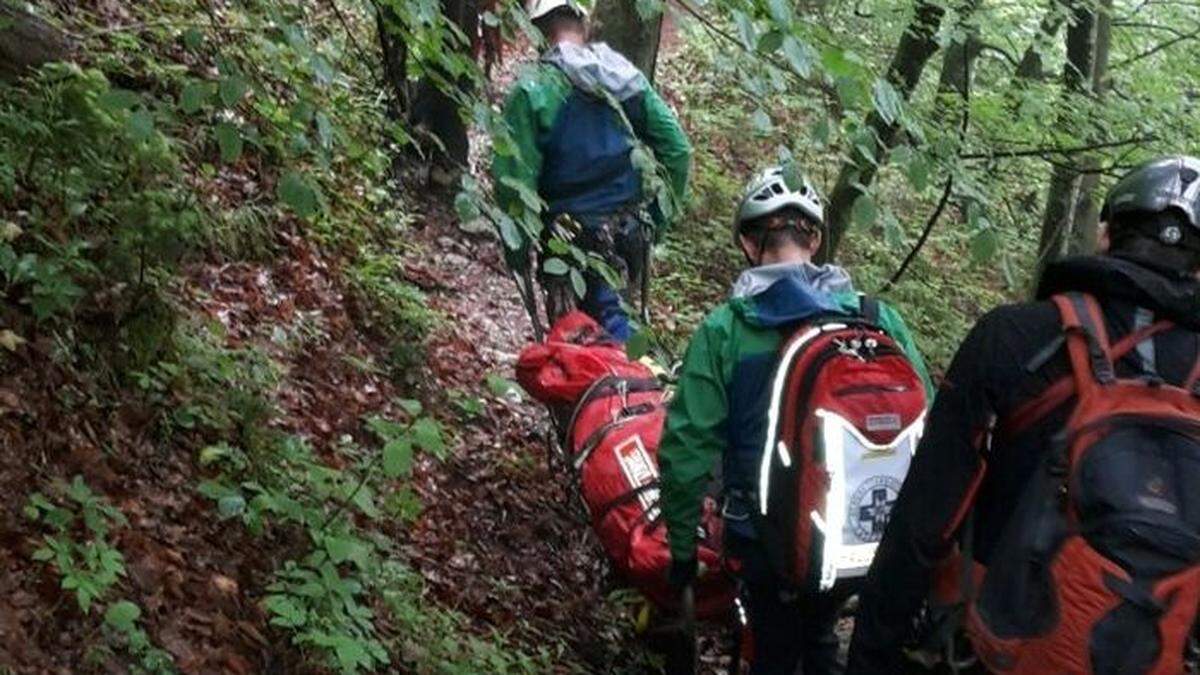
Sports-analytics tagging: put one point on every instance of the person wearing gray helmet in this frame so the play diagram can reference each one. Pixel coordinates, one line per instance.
(719, 415)
(995, 451)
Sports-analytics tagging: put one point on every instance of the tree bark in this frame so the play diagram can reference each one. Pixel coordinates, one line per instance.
(959, 57)
(618, 23)
(1031, 67)
(1063, 194)
(27, 42)
(916, 47)
(1085, 229)
(433, 112)
(395, 59)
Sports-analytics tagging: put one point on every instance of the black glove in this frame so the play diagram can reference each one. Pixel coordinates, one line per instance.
(683, 573)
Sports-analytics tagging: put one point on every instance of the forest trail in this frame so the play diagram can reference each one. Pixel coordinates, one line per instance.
(502, 537)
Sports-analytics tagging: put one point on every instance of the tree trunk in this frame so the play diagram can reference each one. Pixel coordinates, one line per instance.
(1030, 67)
(1063, 194)
(916, 47)
(959, 57)
(395, 59)
(433, 113)
(27, 42)
(1085, 229)
(618, 23)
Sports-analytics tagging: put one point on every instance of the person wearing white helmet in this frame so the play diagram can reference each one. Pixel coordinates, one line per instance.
(574, 119)
(721, 407)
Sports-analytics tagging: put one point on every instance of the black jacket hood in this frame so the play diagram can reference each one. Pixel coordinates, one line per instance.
(1173, 295)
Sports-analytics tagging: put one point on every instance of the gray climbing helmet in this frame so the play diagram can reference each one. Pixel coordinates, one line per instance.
(769, 192)
(1157, 186)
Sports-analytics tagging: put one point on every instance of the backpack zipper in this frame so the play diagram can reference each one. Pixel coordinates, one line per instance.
(870, 389)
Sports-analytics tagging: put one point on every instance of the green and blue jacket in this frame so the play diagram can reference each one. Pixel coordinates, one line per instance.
(573, 118)
(720, 407)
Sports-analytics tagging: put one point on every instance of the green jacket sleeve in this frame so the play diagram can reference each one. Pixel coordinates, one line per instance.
(693, 438)
(522, 163)
(894, 324)
(667, 139)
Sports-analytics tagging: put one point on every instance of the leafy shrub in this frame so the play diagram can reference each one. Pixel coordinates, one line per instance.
(78, 547)
(91, 206)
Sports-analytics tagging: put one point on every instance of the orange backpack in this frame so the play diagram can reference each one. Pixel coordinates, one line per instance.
(1098, 569)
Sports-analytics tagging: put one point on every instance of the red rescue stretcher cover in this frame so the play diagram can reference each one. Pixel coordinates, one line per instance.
(617, 411)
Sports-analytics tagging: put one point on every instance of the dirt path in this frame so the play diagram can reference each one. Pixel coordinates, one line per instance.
(502, 538)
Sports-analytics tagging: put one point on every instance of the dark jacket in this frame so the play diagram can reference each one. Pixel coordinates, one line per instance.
(989, 376)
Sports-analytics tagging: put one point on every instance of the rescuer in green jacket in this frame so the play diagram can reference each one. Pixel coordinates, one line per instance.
(575, 120)
(720, 409)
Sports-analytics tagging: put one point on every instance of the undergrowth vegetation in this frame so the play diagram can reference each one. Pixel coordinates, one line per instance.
(185, 142)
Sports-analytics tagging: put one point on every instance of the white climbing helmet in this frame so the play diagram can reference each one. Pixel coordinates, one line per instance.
(539, 8)
(768, 192)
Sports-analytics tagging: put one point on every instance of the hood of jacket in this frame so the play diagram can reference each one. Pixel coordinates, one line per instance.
(596, 68)
(1172, 295)
(785, 293)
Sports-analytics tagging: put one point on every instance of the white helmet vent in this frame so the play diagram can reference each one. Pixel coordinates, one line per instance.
(768, 192)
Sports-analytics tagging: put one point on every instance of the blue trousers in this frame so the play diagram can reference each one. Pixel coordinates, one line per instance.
(622, 242)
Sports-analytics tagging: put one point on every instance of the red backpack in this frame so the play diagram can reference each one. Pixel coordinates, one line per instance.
(847, 409)
(1098, 570)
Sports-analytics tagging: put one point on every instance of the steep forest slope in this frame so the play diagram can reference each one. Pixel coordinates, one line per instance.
(256, 413)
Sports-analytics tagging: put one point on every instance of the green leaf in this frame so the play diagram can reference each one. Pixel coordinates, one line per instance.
(761, 121)
(465, 207)
(984, 245)
(555, 266)
(194, 97)
(798, 56)
(231, 505)
(397, 458)
(578, 283)
(917, 172)
(502, 387)
(864, 211)
(638, 345)
(231, 90)
(781, 12)
(324, 130)
(411, 406)
(427, 434)
(140, 126)
(887, 100)
(510, 233)
(341, 549)
(746, 29)
(404, 504)
(791, 176)
(118, 100)
(193, 39)
(770, 41)
(820, 132)
(229, 141)
(295, 191)
(122, 615)
(287, 613)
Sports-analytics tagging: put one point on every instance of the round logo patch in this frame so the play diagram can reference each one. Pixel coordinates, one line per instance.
(871, 506)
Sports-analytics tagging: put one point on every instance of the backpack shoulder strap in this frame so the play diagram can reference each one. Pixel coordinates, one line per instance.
(1031, 411)
(869, 308)
(1087, 340)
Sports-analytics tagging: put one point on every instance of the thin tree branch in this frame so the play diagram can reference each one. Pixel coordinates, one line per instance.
(1047, 152)
(341, 17)
(1156, 49)
(929, 224)
(963, 126)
